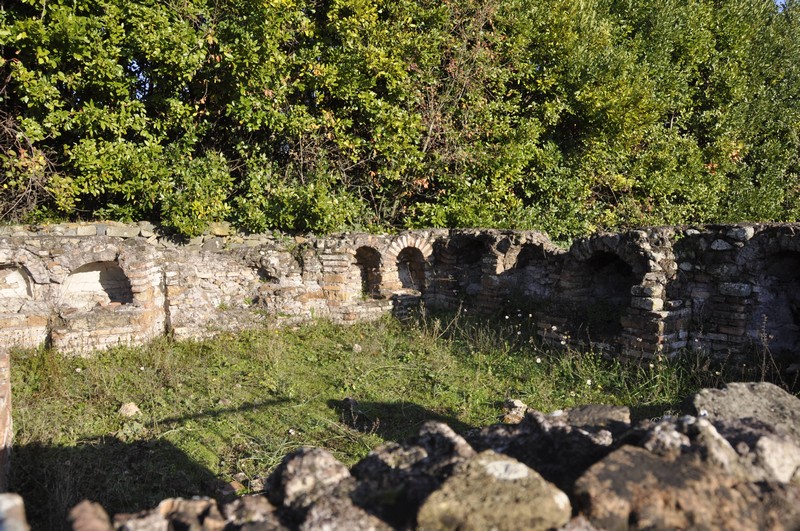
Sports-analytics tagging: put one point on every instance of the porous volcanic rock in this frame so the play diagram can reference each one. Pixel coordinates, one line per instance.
(494, 491)
(583, 468)
(549, 444)
(340, 514)
(633, 488)
(305, 476)
(252, 513)
(395, 479)
(175, 513)
(762, 423)
(762, 401)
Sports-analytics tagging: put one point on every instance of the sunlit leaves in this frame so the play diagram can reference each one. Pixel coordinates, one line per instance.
(559, 115)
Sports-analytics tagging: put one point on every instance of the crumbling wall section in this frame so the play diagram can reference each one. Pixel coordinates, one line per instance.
(719, 289)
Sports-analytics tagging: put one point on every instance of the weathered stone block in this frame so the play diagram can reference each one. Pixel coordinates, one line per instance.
(646, 303)
(647, 291)
(721, 245)
(86, 230)
(741, 234)
(122, 231)
(735, 289)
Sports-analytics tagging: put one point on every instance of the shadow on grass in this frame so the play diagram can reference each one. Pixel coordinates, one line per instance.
(392, 421)
(215, 413)
(122, 475)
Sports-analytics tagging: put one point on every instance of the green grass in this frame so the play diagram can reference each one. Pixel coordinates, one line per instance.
(232, 407)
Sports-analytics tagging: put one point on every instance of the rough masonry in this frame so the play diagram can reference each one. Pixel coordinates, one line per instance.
(721, 290)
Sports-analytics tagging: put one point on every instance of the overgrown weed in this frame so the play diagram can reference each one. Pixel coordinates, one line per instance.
(231, 407)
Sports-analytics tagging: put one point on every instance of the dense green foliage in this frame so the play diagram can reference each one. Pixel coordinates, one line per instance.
(324, 114)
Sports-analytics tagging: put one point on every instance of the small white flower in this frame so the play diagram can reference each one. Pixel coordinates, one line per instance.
(141, 368)
(563, 342)
(652, 366)
(78, 369)
(530, 315)
(554, 328)
(506, 317)
(589, 382)
(538, 360)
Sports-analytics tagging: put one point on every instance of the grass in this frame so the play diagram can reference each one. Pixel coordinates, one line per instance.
(228, 409)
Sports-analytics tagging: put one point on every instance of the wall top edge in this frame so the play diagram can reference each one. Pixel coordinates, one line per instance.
(222, 235)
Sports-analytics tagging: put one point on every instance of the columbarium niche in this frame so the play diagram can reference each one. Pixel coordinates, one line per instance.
(529, 254)
(411, 269)
(368, 261)
(607, 280)
(459, 263)
(98, 283)
(776, 317)
(467, 259)
(15, 288)
(530, 280)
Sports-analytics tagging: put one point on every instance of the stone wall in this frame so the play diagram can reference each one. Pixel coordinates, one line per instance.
(722, 290)
(79, 287)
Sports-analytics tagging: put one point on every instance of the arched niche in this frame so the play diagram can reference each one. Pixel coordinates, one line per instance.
(411, 269)
(606, 282)
(369, 261)
(528, 254)
(776, 316)
(96, 283)
(15, 288)
(462, 259)
(530, 279)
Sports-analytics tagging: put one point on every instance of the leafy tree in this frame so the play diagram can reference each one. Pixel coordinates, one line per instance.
(321, 115)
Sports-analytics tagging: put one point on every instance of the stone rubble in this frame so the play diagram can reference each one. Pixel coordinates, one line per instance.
(584, 468)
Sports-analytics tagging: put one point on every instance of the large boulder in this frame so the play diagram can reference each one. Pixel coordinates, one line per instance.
(761, 421)
(304, 478)
(762, 401)
(633, 488)
(493, 491)
(557, 449)
(395, 479)
(736, 464)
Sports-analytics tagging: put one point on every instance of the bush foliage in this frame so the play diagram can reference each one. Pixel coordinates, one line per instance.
(319, 115)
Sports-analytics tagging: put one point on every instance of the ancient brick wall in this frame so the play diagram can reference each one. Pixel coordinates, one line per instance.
(721, 290)
(80, 287)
